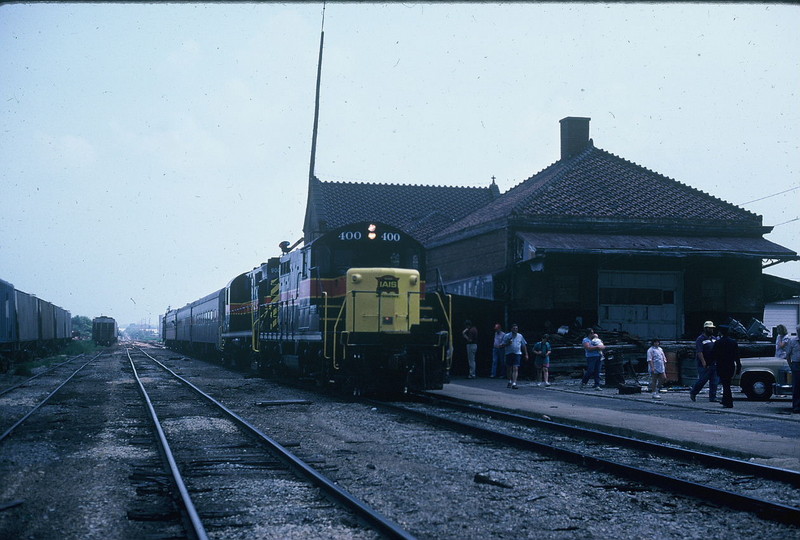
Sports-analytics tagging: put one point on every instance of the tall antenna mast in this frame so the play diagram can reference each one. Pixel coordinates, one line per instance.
(316, 100)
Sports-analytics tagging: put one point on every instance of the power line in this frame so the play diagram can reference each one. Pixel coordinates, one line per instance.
(773, 195)
(785, 222)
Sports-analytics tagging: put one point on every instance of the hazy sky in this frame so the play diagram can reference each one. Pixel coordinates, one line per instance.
(149, 153)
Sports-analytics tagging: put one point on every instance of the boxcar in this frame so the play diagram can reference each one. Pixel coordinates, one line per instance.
(27, 317)
(63, 324)
(30, 326)
(8, 315)
(46, 319)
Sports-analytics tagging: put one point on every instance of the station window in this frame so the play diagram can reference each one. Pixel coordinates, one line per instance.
(622, 296)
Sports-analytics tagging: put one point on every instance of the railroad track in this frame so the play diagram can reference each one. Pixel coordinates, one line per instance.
(96, 447)
(40, 374)
(723, 481)
(237, 452)
(44, 392)
(459, 486)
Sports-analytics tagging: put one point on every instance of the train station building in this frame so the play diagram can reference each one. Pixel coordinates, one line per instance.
(592, 239)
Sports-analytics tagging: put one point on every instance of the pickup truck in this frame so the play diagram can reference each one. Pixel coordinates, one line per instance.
(764, 376)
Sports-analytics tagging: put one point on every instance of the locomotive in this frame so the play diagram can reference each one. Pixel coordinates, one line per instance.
(104, 330)
(349, 308)
(29, 326)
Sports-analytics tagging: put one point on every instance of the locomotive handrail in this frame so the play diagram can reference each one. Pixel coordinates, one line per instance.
(408, 308)
(335, 333)
(284, 330)
(254, 318)
(293, 311)
(257, 331)
(353, 311)
(448, 315)
(325, 325)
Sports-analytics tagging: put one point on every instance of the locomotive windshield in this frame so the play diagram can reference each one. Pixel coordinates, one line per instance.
(366, 245)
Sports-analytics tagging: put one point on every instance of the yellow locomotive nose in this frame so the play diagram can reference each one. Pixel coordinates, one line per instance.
(382, 300)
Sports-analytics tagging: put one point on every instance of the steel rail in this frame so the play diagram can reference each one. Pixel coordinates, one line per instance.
(45, 400)
(195, 523)
(764, 509)
(377, 520)
(45, 372)
(736, 465)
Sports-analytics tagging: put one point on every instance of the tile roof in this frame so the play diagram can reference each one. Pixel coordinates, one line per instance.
(421, 211)
(597, 184)
(537, 243)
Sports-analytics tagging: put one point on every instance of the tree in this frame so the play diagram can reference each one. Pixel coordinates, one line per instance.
(82, 325)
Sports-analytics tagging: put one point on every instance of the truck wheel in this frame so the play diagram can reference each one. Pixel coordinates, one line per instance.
(758, 387)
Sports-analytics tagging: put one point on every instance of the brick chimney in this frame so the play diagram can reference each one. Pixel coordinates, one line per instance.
(574, 135)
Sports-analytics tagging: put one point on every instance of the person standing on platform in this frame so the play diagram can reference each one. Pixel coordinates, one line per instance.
(541, 360)
(516, 347)
(793, 357)
(726, 357)
(594, 357)
(470, 334)
(498, 353)
(706, 369)
(657, 366)
(781, 341)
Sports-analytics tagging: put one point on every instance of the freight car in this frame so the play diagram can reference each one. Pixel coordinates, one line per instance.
(30, 326)
(348, 309)
(104, 330)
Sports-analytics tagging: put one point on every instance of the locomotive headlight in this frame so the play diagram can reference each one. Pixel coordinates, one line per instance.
(355, 278)
(413, 280)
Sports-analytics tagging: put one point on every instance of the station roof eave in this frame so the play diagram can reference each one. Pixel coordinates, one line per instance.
(539, 243)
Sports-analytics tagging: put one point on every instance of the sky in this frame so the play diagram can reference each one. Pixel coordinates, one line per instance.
(149, 153)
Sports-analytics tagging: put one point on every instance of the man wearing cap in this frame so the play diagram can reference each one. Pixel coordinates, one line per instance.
(706, 367)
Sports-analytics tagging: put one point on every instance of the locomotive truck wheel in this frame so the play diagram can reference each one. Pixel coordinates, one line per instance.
(757, 387)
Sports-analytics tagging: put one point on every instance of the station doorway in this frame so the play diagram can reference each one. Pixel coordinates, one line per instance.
(644, 304)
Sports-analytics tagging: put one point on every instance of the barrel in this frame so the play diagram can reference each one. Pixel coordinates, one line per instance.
(614, 372)
(672, 369)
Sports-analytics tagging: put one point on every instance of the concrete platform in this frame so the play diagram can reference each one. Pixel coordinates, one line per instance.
(765, 432)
